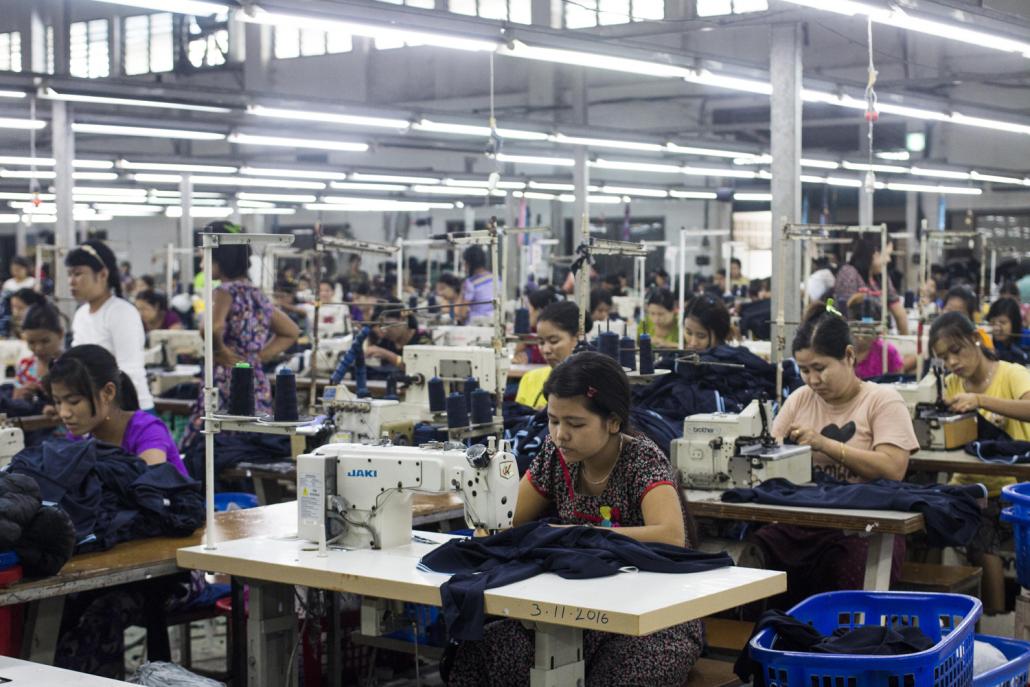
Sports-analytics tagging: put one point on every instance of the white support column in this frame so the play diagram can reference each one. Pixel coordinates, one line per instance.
(865, 196)
(186, 231)
(785, 66)
(64, 232)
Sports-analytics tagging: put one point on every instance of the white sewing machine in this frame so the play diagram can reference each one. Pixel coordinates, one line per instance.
(11, 353)
(330, 350)
(452, 364)
(936, 427)
(727, 450)
(12, 441)
(620, 327)
(360, 496)
(366, 419)
(455, 335)
(165, 345)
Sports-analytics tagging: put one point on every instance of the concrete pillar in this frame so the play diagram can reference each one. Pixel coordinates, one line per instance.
(785, 67)
(33, 41)
(60, 20)
(64, 230)
(116, 47)
(186, 231)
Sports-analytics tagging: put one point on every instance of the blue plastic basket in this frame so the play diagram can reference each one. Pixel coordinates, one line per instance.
(235, 500)
(947, 619)
(1019, 515)
(1015, 673)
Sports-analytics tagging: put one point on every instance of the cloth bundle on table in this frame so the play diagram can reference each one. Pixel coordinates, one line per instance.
(42, 536)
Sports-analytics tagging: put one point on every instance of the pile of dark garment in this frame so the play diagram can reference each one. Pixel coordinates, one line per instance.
(794, 635)
(1004, 451)
(42, 536)
(574, 553)
(951, 512)
(232, 448)
(712, 386)
(112, 496)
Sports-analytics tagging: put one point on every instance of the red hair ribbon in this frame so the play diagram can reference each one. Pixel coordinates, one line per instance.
(591, 392)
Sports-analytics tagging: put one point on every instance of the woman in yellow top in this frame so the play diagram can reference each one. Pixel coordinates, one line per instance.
(662, 321)
(557, 327)
(1000, 392)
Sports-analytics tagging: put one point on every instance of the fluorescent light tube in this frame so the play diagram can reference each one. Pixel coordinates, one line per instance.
(362, 186)
(809, 179)
(866, 167)
(176, 167)
(939, 173)
(607, 143)
(50, 162)
(819, 164)
(277, 197)
(176, 211)
(763, 159)
(286, 142)
(753, 197)
(201, 180)
(121, 210)
(267, 211)
(348, 201)
(708, 152)
(10, 219)
(197, 7)
(94, 176)
(958, 118)
(148, 178)
(452, 190)
(146, 132)
(517, 48)
(12, 94)
(452, 41)
(164, 193)
(393, 178)
(595, 200)
(706, 172)
(977, 176)
(921, 188)
(292, 173)
(912, 112)
(733, 83)
(109, 191)
(534, 195)
(896, 155)
(255, 204)
(548, 186)
(844, 181)
(329, 117)
(41, 174)
(535, 160)
(51, 94)
(28, 124)
(635, 191)
(480, 131)
(694, 195)
(483, 183)
(26, 196)
(635, 166)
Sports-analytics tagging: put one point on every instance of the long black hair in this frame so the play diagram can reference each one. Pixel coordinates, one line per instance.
(598, 378)
(713, 315)
(87, 369)
(43, 316)
(1003, 307)
(663, 297)
(542, 297)
(964, 294)
(824, 331)
(155, 299)
(97, 256)
(474, 258)
(29, 297)
(565, 316)
(862, 252)
(955, 325)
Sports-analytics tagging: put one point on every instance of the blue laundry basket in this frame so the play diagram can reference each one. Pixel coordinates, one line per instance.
(1019, 515)
(1015, 673)
(947, 619)
(232, 500)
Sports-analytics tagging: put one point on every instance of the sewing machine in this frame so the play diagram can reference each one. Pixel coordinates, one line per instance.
(937, 427)
(164, 346)
(455, 335)
(625, 306)
(11, 352)
(330, 350)
(367, 419)
(12, 441)
(620, 327)
(452, 364)
(359, 496)
(727, 450)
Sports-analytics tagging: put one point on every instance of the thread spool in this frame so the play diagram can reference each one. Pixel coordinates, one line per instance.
(437, 396)
(608, 343)
(391, 388)
(241, 390)
(627, 353)
(457, 411)
(522, 320)
(471, 384)
(482, 406)
(413, 301)
(285, 402)
(646, 355)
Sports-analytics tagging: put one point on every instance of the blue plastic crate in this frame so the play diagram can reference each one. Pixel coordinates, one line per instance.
(1019, 515)
(947, 619)
(235, 500)
(1015, 673)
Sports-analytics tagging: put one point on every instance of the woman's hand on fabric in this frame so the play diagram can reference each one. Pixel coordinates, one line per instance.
(804, 436)
(964, 403)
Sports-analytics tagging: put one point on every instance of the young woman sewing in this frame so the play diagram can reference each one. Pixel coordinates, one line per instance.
(593, 470)
(105, 318)
(858, 431)
(1006, 320)
(557, 329)
(706, 323)
(94, 398)
(660, 322)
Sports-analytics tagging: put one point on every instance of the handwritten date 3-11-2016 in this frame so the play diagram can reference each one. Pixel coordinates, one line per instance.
(574, 613)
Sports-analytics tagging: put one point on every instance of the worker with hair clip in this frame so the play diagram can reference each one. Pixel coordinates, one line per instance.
(105, 318)
(706, 324)
(858, 432)
(1000, 392)
(593, 470)
(557, 330)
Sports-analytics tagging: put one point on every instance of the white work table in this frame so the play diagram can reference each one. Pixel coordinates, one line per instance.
(635, 603)
(880, 525)
(16, 673)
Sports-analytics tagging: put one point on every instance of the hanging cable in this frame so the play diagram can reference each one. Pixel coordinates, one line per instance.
(33, 181)
(871, 114)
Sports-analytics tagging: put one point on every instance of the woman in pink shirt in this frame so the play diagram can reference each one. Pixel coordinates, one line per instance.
(869, 349)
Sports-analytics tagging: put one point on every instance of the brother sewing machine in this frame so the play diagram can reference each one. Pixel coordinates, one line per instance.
(12, 441)
(937, 427)
(164, 346)
(727, 450)
(359, 496)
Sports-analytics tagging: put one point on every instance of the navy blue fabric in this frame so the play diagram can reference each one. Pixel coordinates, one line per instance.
(519, 553)
(235, 447)
(755, 319)
(1004, 451)
(110, 495)
(1011, 353)
(951, 512)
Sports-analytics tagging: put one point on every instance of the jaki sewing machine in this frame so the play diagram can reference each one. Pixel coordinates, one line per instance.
(727, 450)
(937, 427)
(359, 496)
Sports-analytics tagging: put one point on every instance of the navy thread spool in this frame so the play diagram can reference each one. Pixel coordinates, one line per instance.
(437, 396)
(627, 353)
(482, 407)
(608, 343)
(241, 390)
(457, 411)
(471, 384)
(646, 355)
(413, 302)
(285, 402)
(391, 388)
(522, 320)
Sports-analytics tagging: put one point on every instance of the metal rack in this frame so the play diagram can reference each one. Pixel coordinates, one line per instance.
(593, 247)
(682, 264)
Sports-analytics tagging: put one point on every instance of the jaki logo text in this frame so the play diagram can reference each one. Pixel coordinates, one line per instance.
(362, 473)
